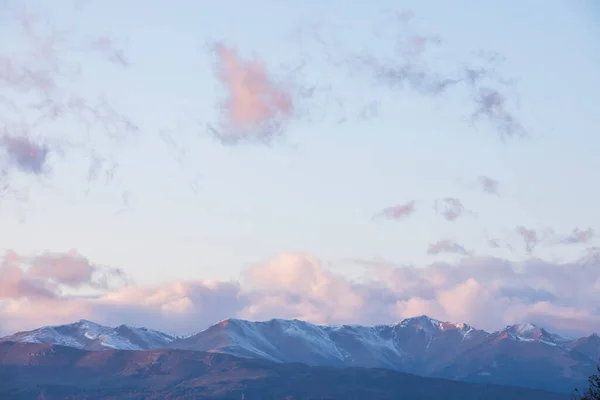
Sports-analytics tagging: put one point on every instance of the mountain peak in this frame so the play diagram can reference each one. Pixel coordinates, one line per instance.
(421, 319)
(85, 334)
(522, 329)
(532, 332)
(426, 322)
(88, 323)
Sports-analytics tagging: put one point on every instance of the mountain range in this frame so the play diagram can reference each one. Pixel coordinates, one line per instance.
(51, 372)
(519, 355)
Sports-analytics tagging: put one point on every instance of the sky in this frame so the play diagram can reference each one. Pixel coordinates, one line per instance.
(173, 164)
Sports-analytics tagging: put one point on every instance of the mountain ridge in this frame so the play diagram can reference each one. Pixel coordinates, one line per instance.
(522, 354)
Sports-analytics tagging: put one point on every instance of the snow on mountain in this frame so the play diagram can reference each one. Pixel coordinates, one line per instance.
(533, 333)
(398, 346)
(91, 336)
(517, 355)
(275, 340)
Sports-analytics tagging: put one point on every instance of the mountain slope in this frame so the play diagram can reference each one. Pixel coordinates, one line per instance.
(30, 371)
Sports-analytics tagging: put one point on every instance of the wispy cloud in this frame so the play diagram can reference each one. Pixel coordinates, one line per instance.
(44, 81)
(446, 246)
(451, 208)
(578, 236)
(409, 69)
(530, 237)
(397, 212)
(491, 104)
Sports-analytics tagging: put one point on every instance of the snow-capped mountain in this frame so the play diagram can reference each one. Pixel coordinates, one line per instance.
(522, 355)
(399, 346)
(91, 336)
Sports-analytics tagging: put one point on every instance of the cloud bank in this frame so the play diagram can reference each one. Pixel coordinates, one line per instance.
(486, 292)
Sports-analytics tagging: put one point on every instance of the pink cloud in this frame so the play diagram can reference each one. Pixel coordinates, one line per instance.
(72, 270)
(483, 291)
(399, 211)
(45, 276)
(256, 106)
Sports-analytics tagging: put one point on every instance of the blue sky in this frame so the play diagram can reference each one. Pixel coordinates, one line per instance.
(221, 208)
(318, 191)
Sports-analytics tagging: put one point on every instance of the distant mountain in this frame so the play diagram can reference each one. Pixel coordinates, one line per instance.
(41, 371)
(406, 346)
(521, 355)
(91, 336)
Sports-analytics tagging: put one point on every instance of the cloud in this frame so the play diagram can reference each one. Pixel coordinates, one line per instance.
(43, 88)
(47, 275)
(483, 291)
(446, 246)
(488, 185)
(451, 208)
(530, 237)
(15, 282)
(491, 104)
(25, 154)
(257, 106)
(397, 212)
(578, 236)
(411, 68)
(72, 270)
(533, 238)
